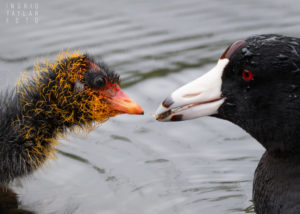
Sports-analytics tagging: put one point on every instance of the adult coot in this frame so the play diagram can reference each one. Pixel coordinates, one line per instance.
(256, 85)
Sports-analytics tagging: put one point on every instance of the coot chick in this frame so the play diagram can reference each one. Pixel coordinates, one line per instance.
(73, 91)
(256, 85)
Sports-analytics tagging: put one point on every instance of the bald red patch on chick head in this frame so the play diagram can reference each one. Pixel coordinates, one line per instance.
(93, 66)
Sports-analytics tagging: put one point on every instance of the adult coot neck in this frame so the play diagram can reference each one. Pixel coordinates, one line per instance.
(281, 140)
(293, 154)
(277, 176)
(283, 150)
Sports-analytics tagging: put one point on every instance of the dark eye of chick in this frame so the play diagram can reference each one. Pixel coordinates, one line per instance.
(95, 80)
(99, 81)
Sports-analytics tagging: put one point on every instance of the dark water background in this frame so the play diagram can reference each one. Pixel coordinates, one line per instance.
(133, 164)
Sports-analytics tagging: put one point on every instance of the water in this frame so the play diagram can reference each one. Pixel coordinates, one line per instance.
(133, 164)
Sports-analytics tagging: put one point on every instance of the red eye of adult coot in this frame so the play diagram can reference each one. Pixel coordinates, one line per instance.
(247, 75)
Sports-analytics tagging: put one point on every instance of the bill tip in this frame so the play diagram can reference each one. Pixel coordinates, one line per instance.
(177, 117)
(167, 102)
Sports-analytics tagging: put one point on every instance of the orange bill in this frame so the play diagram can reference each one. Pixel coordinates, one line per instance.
(124, 104)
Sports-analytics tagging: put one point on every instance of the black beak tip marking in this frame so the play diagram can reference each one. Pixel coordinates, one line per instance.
(177, 117)
(168, 102)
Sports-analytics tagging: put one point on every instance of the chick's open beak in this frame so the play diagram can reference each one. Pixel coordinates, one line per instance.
(122, 103)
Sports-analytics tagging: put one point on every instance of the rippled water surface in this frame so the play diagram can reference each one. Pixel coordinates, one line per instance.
(133, 164)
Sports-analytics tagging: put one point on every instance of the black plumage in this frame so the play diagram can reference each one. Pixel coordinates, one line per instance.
(268, 107)
(256, 85)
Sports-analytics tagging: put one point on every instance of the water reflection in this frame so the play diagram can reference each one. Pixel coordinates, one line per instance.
(9, 203)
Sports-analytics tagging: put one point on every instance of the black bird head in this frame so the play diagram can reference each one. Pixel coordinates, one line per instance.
(255, 85)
